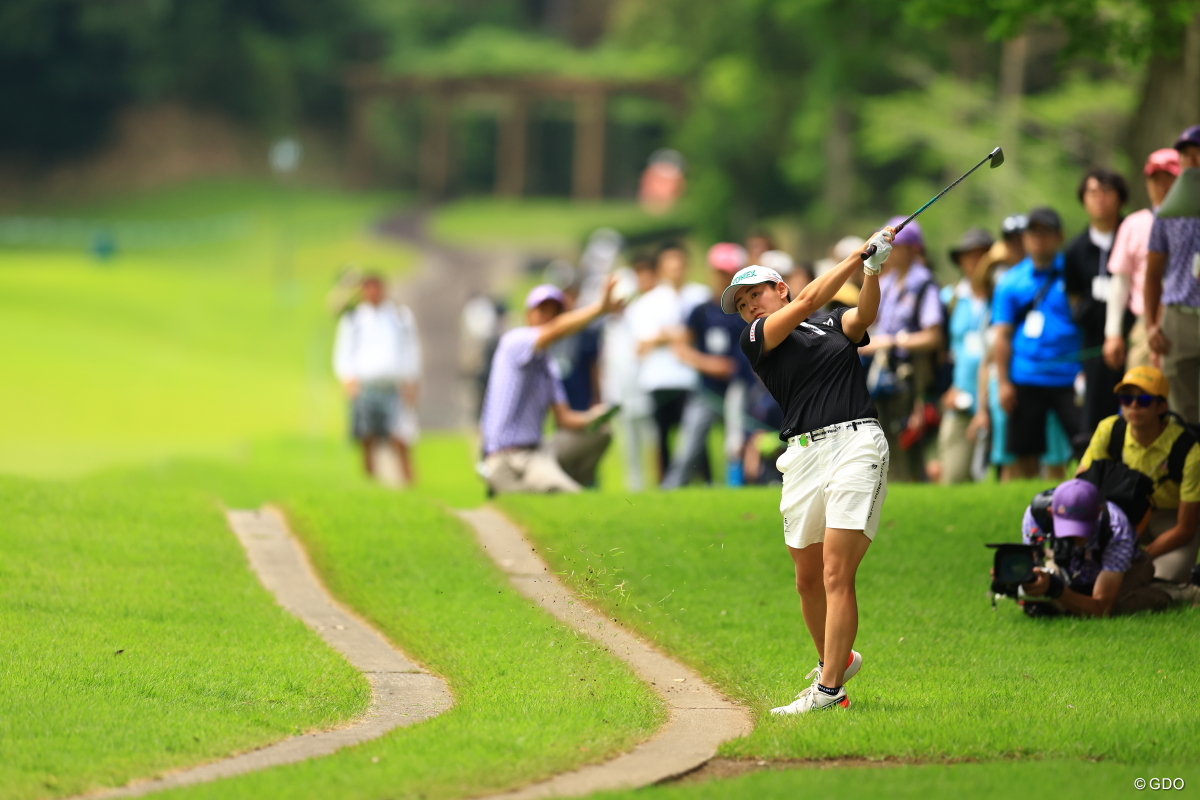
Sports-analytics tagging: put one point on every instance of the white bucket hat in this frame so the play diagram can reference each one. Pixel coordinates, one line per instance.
(749, 276)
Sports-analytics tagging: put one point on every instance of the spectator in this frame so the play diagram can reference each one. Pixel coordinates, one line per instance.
(1086, 276)
(1171, 282)
(757, 243)
(969, 317)
(578, 359)
(710, 346)
(1012, 233)
(1146, 438)
(1127, 265)
(989, 414)
(1037, 344)
(377, 358)
(904, 340)
(843, 247)
(657, 320)
(1098, 574)
(620, 375)
(524, 385)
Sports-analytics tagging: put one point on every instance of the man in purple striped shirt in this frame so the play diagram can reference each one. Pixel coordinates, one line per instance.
(1103, 572)
(523, 385)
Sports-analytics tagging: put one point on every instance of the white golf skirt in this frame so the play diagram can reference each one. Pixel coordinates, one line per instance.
(836, 480)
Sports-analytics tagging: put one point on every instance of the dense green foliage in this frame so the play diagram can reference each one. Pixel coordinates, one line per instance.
(1132, 29)
(68, 64)
(705, 574)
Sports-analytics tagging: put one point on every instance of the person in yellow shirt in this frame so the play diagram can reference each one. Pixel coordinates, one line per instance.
(1146, 438)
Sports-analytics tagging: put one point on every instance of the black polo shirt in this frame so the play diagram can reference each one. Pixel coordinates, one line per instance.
(815, 374)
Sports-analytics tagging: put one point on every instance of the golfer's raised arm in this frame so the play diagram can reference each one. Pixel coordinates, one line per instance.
(856, 321)
(811, 297)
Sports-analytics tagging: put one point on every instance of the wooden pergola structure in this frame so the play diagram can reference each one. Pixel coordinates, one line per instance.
(516, 95)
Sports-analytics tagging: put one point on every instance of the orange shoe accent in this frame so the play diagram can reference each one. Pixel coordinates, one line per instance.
(844, 702)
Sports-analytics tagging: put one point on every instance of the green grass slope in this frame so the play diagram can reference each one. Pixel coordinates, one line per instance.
(180, 349)
(532, 698)
(1063, 780)
(133, 639)
(706, 575)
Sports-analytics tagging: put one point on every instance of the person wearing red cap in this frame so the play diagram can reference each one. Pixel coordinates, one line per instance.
(1127, 265)
(1098, 570)
(1172, 269)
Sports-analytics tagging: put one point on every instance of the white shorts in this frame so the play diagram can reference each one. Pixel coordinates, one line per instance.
(838, 480)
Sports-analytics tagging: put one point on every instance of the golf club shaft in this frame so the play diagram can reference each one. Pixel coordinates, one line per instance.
(871, 250)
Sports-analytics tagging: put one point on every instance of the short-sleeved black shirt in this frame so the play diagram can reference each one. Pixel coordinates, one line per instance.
(815, 374)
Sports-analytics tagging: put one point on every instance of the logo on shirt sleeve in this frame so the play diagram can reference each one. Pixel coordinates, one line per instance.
(752, 324)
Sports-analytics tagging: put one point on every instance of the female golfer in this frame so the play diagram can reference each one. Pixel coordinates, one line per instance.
(835, 467)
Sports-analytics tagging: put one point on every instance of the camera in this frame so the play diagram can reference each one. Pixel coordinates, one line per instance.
(1012, 566)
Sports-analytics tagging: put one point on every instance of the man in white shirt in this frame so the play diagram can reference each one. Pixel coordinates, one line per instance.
(657, 320)
(377, 358)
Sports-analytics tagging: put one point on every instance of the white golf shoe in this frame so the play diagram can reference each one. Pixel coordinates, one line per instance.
(853, 665)
(813, 700)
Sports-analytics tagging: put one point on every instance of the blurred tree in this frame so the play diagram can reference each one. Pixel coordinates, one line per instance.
(69, 64)
(778, 86)
(1163, 34)
(947, 124)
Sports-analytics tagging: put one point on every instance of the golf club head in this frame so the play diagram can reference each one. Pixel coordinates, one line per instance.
(997, 156)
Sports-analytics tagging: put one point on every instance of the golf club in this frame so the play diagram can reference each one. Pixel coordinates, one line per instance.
(996, 157)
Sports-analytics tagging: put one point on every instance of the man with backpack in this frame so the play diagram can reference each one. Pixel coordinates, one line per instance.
(1098, 570)
(1147, 438)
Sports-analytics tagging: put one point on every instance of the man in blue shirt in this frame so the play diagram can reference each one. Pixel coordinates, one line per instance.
(1037, 343)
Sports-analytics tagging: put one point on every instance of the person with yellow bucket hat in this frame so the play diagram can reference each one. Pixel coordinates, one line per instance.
(1147, 438)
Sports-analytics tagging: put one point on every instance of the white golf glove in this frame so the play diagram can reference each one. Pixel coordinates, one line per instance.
(883, 248)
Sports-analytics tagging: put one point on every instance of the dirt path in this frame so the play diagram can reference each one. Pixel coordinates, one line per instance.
(700, 718)
(401, 692)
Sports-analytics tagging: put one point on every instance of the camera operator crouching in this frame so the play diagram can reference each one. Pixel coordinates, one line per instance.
(1145, 437)
(1097, 569)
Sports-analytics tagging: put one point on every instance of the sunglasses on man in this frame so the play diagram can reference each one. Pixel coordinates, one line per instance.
(1142, 400)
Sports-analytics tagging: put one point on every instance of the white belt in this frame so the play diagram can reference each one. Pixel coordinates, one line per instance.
(804, 439)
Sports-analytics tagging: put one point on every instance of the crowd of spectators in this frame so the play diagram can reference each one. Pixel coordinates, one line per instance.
(1011, 367)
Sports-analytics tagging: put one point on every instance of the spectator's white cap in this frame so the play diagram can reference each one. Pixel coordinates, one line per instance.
(777, 260)
(848, 246)
(749, 276)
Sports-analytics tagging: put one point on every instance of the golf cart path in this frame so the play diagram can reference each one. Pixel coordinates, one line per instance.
(699, 717)
(401, 692)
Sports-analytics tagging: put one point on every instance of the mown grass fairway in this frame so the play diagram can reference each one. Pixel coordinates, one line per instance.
(1068, 780)
(180, 349)
(199, 376)
(135, 640)
(531, 697)
(706, 575)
